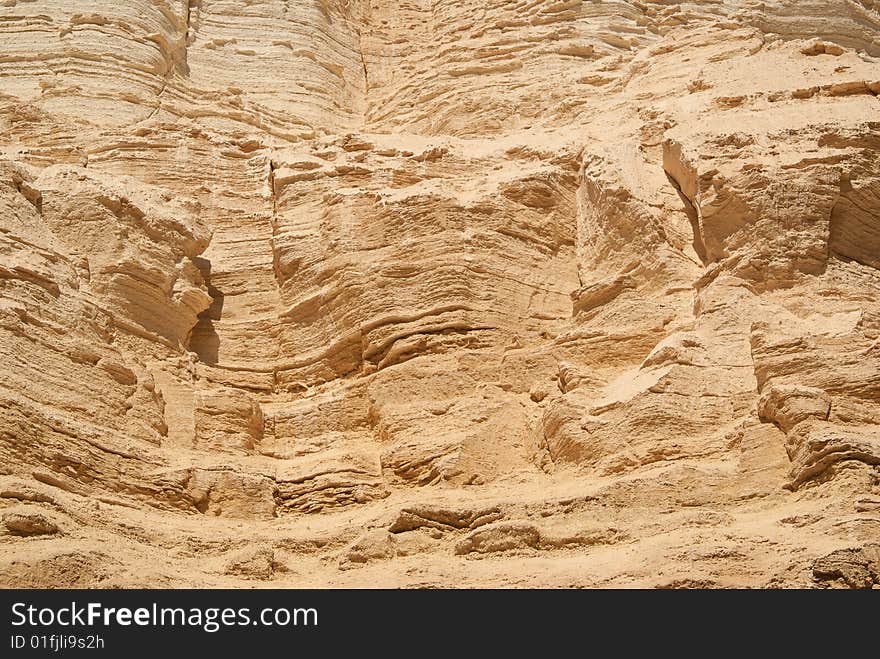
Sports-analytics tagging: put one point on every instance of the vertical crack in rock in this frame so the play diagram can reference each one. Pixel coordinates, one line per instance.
(193, 12)
(273, 220)
(693, 215)
(363, 63)
(203, 337)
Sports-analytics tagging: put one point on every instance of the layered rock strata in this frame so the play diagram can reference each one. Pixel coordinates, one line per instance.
(450, 293)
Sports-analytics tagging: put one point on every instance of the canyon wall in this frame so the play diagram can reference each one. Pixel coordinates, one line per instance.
(440, 293)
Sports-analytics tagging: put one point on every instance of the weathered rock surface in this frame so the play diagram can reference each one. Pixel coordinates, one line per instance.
(451, 293)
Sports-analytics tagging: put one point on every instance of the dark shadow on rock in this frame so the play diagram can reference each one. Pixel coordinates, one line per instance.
(204, 340)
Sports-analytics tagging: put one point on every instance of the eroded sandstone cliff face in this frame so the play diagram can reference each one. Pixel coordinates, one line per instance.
(440, 293)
